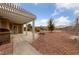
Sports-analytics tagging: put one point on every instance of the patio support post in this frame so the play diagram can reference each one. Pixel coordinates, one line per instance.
(33, 29)
(26, 29)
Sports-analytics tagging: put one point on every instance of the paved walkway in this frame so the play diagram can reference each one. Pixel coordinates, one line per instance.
(22, 46)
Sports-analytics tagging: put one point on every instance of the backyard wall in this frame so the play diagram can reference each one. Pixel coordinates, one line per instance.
(4, 23)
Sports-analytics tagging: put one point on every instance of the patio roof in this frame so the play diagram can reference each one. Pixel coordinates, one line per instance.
(15, 13)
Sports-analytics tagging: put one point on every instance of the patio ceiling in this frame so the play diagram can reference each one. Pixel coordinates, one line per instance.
(15, 14)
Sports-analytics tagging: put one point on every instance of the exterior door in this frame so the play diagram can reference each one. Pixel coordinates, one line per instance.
(15, 29)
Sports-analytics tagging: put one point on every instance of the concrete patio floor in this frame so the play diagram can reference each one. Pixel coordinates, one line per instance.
(22, 46)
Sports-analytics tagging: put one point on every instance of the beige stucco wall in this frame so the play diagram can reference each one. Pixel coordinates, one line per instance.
(4, 23)
(16, 28)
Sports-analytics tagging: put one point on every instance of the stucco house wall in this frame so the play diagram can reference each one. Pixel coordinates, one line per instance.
(12, 27)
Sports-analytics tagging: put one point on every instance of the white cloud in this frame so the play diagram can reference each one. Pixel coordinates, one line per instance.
(62, 21)
(55, 13)
(59, 22)
(42, 22)
(60, 7)
(76, 12)
(67, 5)
(63, 5)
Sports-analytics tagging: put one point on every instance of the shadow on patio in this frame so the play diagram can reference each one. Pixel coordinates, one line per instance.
(21, 44)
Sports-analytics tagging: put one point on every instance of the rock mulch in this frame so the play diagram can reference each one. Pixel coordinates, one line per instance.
(56, 43)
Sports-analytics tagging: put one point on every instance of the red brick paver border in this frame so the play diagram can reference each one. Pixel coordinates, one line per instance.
(6, 49)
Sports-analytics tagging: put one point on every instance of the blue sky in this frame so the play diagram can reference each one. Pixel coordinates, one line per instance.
(62, 13)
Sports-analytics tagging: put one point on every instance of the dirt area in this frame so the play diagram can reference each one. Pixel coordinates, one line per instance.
(56, 43)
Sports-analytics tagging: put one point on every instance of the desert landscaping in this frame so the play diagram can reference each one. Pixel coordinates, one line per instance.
(56, 43)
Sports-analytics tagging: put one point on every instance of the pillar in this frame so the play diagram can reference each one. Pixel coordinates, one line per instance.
(33, 29)
(26, 29)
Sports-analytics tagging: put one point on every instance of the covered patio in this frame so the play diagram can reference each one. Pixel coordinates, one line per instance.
(12, 18)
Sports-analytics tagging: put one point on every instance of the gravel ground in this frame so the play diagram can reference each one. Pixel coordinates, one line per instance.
(56, 43)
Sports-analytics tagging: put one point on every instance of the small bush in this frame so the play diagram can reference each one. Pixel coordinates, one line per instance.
(37, 29)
